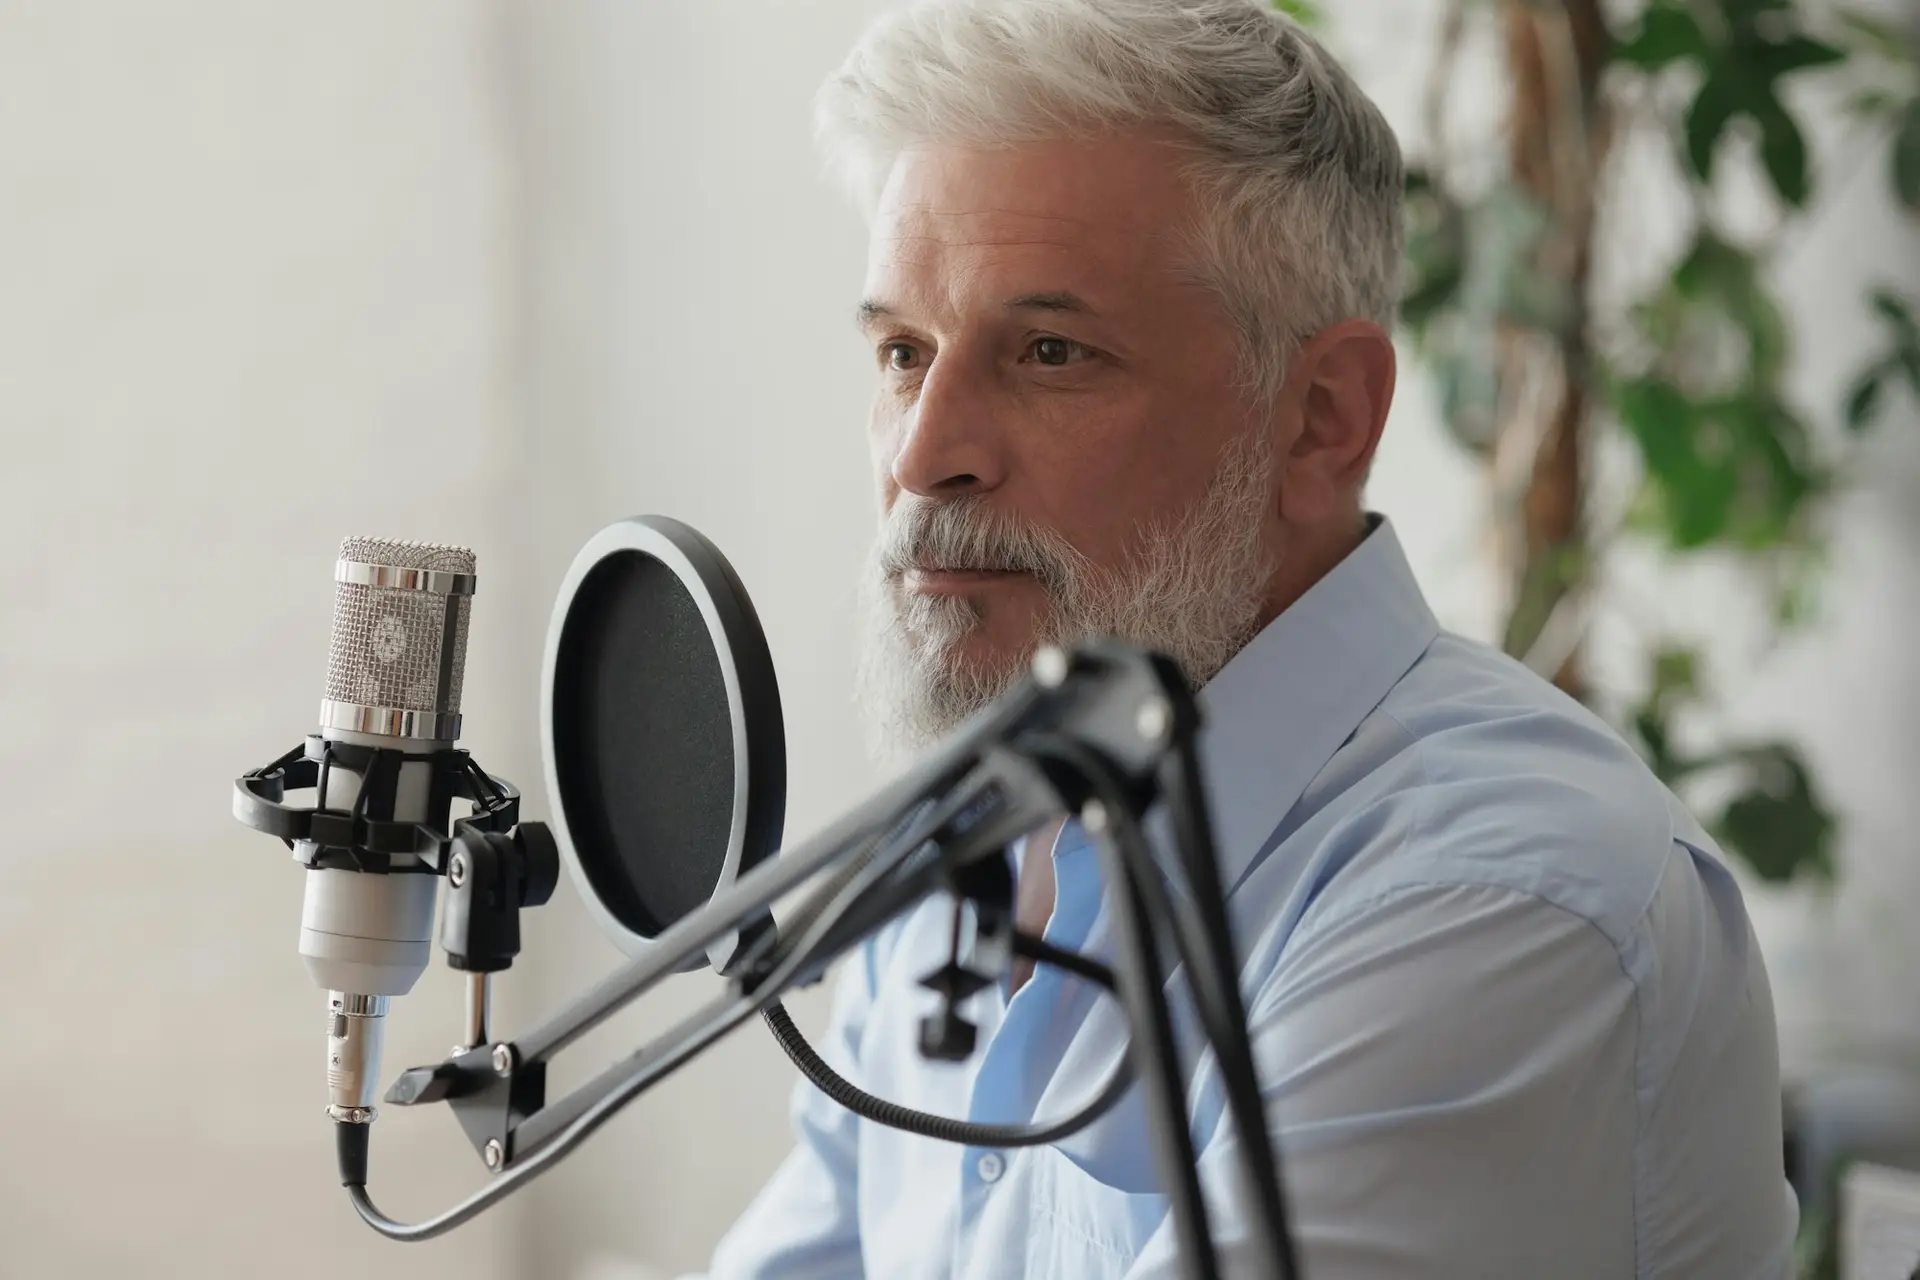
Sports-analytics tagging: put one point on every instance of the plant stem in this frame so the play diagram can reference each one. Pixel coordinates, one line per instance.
(1557, 149)
(1446, 59)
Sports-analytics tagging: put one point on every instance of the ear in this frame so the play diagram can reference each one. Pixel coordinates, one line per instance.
(1337, 393)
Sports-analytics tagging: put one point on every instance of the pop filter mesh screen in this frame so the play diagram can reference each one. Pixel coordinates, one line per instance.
(643, 742)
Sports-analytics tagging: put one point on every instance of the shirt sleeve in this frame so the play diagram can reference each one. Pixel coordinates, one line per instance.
(804, 1224)
(1449, 1073)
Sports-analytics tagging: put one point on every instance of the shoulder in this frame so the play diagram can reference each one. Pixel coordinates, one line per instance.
(1473, 771)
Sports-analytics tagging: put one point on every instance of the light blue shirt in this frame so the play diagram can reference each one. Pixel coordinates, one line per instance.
(1507, 1008)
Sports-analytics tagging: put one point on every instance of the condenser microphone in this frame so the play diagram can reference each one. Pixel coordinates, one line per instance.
(391, 711)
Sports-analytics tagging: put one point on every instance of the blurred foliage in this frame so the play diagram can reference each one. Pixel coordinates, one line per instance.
(1691, 372)
(1900, 361)
(1775, 819)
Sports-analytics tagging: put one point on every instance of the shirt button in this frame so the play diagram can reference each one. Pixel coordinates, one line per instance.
(991, 1166)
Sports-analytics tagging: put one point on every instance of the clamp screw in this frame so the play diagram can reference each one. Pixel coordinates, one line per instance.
(503, 1059)
(493, 1154)
(1154, 719)
(1050, 666)
(457, 870)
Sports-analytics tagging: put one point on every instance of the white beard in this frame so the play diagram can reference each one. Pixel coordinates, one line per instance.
(1192, 590)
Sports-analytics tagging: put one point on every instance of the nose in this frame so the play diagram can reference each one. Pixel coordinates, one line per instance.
(950, 445)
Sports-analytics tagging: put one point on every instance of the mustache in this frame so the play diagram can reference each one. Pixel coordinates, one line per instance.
(966, 534)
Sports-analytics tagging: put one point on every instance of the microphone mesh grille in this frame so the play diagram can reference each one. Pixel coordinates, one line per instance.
(397, 648)
(408, 555)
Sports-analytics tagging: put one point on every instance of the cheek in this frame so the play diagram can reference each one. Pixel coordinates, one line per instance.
(882, 447)
(1103, 497)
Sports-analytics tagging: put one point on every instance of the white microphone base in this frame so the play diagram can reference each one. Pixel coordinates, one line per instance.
(369, 934)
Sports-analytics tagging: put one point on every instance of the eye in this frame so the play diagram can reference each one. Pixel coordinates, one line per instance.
(1054, 351)
(901, 357)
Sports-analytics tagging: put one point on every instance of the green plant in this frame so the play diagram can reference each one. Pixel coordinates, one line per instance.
(1537, 371)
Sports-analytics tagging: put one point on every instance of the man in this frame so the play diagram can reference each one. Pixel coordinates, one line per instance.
(1132, 273)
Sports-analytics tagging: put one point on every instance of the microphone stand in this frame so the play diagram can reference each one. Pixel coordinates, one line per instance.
(1105, 730)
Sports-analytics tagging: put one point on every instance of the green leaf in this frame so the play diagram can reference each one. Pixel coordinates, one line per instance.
(1720, 285)
(1305, 12)
(1783, 150)
(1795, 53)
(1676, 674)
(1435, 252)
(1900, 358)
(1667, 35)
(1743, 79)
(1672, 681)
(1906, 158)
(1778, 822)
(1865, 400)
(1777, 476)
(1469, 383)
(1428, 294)
(1651, 729)
(1894, 308)
(1729, 469)
(1693, 497)
(1713, 108)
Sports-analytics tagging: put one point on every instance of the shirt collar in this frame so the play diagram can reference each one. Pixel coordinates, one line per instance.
(1280, 708)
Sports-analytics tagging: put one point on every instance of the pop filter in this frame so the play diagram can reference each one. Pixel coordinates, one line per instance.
(660, 729)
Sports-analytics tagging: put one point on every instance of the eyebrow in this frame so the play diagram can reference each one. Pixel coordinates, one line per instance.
(873, 310)
(1055, 300)
(870, 311)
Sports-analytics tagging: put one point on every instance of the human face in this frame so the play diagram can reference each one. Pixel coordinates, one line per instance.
(1059, 437)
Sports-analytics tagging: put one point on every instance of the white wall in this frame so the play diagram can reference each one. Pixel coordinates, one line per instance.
(256, 294)
(695, 356)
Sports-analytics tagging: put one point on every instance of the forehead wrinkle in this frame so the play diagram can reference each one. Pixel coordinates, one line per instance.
(1046, 225)
(1066, 233)
(1108, 258)
(918, 238)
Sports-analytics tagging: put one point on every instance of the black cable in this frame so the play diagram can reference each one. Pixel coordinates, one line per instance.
(1147, 914)
(525, 1169)
(1144, 918)
(352, 1148)
(1086, 968)
(945, 1128)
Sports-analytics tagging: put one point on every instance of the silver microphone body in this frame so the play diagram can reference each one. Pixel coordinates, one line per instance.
(394, 673)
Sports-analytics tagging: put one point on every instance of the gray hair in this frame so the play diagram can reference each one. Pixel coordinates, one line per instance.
(1298, 173)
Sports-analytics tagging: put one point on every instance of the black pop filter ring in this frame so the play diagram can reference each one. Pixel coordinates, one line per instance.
(660, 729)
